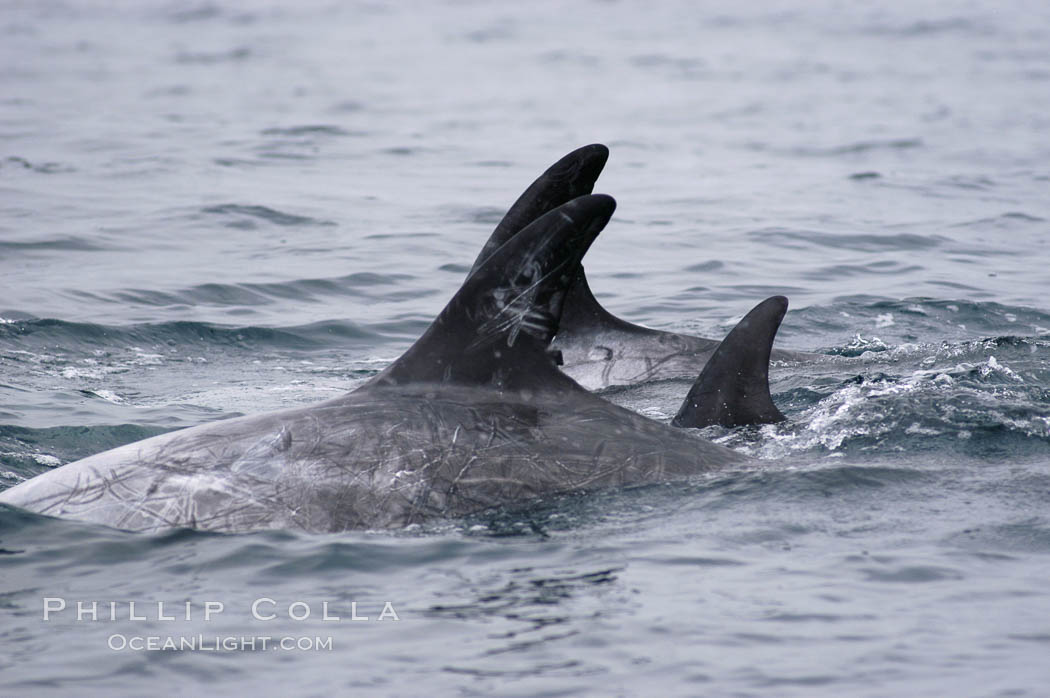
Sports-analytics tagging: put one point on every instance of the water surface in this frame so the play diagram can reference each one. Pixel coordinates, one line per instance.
(218, 209)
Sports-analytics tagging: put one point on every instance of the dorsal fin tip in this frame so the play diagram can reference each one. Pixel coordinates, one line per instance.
(570, 177)
(733, 388)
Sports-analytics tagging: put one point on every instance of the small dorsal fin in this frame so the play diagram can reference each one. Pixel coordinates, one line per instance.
(733, 388)
(572, 176)
(497, 329)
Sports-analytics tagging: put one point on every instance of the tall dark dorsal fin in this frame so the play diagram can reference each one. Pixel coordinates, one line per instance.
(572, 176)
(497, 328)
(733, 388)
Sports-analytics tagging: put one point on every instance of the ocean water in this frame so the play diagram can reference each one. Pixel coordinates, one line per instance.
(214, 209)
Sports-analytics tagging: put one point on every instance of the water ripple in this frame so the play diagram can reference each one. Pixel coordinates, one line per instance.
(243, 216)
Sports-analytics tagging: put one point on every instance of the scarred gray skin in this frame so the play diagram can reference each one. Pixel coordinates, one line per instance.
(475, 414)
(380, 457)
(599, 350)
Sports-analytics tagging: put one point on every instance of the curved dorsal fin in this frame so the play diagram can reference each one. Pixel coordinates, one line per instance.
(584, 314)
(572, 176)
(733, 388)
(497, 328)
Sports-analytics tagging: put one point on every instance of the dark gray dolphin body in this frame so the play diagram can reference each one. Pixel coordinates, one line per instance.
(598, 349)
(378, 457)
(475, 414)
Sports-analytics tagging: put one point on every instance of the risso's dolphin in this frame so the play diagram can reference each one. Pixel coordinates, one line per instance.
(474, 415)
(598, 349)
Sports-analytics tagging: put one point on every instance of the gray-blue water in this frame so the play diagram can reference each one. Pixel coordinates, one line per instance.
(210, 209)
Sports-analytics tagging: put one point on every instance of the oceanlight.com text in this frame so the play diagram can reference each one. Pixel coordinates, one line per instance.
(119, 642)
